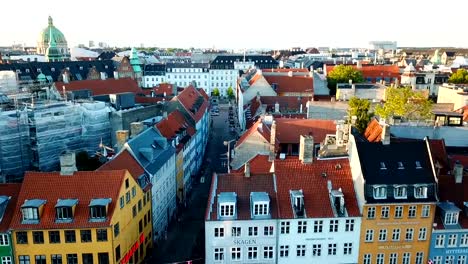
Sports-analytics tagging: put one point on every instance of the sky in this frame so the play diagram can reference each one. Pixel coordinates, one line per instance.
(239, 24)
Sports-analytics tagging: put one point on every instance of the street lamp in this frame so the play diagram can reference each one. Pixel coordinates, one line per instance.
(228, 144)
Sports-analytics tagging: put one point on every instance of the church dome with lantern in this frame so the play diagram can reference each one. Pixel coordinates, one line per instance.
(58, 38)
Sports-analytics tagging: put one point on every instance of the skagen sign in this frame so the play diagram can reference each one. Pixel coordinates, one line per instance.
(245, 241)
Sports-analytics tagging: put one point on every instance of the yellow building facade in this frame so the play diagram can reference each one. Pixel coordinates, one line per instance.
(87, 217)
(180, 175)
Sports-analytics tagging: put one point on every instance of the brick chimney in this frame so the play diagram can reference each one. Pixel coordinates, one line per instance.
(136, 128)
(122, 137)
(306, 149)
(67, 163)
(385, 137)
(458, 172)
(247, 169)
(272, 141)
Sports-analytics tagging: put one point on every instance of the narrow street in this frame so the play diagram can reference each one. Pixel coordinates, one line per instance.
(185, 238)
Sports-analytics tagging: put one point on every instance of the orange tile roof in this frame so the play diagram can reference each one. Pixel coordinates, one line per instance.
(286, 70)
(124, 161)
(188, 97)
(288, 130)
(258, 165)
(373, 132)
(374, 71)
(82, 185)
(12, 190)
(291, 174)
(243, 186)
(259, 126)
(100, 87)
(172, 124)
(293, 84)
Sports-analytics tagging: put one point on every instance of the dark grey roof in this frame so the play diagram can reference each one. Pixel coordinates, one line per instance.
(100, 202)
(227, 61)
(106, 55)
(187, 65)
(155, 69)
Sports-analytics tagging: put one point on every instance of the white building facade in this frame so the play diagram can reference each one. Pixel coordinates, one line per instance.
(185, 74)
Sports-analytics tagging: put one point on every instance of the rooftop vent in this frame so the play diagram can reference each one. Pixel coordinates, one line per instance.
(382, 165)
(338, 166)
(400, 165)
(418, 164)
(324, 174)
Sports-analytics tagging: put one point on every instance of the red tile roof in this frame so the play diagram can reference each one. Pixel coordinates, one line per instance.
(188, 97)
(258, 165)
(439, 154)
(293, 84)
(286, 103)
(286, 70)
(242, 186)
(259, 126)
(12, 190)
(373, 132)
(172, 124)
(124, 161)
(374, 71)
(160, 89)
(148, 100)
(291, 174)
(82, 185)
(289, 130)
(204, 94)
(100, 87)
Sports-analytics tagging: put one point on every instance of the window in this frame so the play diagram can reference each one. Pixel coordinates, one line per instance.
(87, 258)
(420, 192)
(21, 237)
(56, 259)
(4, 240)
(451, 218)
(236, 253)
(127, 183)
(422, 233)
(30, 214)
(398, 211)
(349, 226)
(134, 211)
(54, 237)
(268, 230)
(38, 237)
(452, 240)
(348, 249)
(127, 197)
(464, 240)
(219, 231)
(371, 212)
(440, 241)
(85, 236)
(300, 250)
(72, 259)
(261, 209)
(399, 192)
(333, 226)
(384, 211)
(268, 252)
(419, 257)
(219, 254)
(318, 226)
(406, 258)
(380, 192)
(383, 235)
(396, 234)
(284, 251)
(236, 231)
(426, 211)
(97, 212)
(412, 211)
(316, 250)
(116, 230)
(331, 249)
(393, 258)
(122, 202)
(301, 227)
(449, 260)
(380, 258)
(285, 227)
(227, 210)
(437, 260)
(252, 252)
(400, 165)
(367, 259)
(70, 236)
(117, 253)
(253, 231)
(40, 259)
(369, 235)
(6, 260)
(64, 213)
(24, 260)
(461, 259)
(409, 234)
(101, 235)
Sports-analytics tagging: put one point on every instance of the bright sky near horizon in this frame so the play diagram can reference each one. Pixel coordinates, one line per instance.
(239, 24)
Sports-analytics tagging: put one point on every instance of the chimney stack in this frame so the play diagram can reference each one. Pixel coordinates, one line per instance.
(306, 149)
(65, 78)
(385, 137)
(122, 137)
(67, 163)
(272, 141)
(276, 107)
(116, 75)
(247, 169)
(103, 76)
(165, 114)
(458, 172)
(136, 128)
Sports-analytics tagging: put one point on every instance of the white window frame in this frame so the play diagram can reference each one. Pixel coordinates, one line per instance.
(285, 227)
(385, 212)
(332, 249)
(398, 211)
(464, 240)
(437, 260)
(236, 231)
(440, 241)
(349, 225)
(284, 251)
(419, 258)
(302, 227)
(227, 209)
(7, 260)
(253, 231)
(316, 250)
(412, 211)
(406, 259)
(461, 259)
(449, 259)
(422, 233)
(236, 253)
(252, 252)
(400, 191)
(380, 192)
(380, 258)
(393, 259)
(334, 225)
(260, 208)
(268, 230)
(318, 226)
(420, 191)
(426, 210)
(396, 234)
(30, 213)
(219, 232)
(300, 250)
(451, 218)
(371, 212)
(409, 234)
(4, 241)
(367, 259)
(348, 248)
(369, 236)
(452, 240)
(268, 252)
(383, 235)
(218, 254)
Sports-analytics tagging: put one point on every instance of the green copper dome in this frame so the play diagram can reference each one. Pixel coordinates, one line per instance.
(44, 37)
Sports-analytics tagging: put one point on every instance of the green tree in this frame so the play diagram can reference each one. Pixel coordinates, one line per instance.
(342, 74)
(406, 103)
(461, 76)
(215, 92)
(360, 108)
(230, 93)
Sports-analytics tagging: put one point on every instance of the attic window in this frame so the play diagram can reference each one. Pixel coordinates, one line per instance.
(382, 165)
(64, 210)
(451, 218)
(98, 209)
(399, 192)
(400, 165)
(260, 202)
(30, 210)
(418, 164)
(227, 204)
(226, 209)
(420, 192)
(380, 192)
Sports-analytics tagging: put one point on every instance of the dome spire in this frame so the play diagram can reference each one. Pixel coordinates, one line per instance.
(51, 22)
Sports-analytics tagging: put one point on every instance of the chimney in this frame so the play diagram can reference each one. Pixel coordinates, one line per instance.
(247, 169)
(359, 64)
(116, 75)
(65, 78)
(272, 141)
(276, 107)
(306, 149)
(122, 137)
(397, 83)
(458, 172)
(165, 114)
(136, 128)
(67, 163)
(103, 76)
(290, 73)
(385, 137)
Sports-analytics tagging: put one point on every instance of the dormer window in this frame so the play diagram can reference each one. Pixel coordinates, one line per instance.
(451, 218)
(400, 165)
(420, 192)
(297, 199)
(418, 164)
(380, 192)
(227, 205)
(31, 210)
(261, 208)
(260, 202)
(399, 192)
(226, 210)
(98, 209)
(64, 210)
(382, 165)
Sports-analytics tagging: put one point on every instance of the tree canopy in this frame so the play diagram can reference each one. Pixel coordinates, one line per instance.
(215, 92)
(360, 108)
(342, 74)
(406, 103)
(230, 93)
(461, 76)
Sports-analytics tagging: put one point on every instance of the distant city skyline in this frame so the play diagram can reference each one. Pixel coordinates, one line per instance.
(242, 24)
